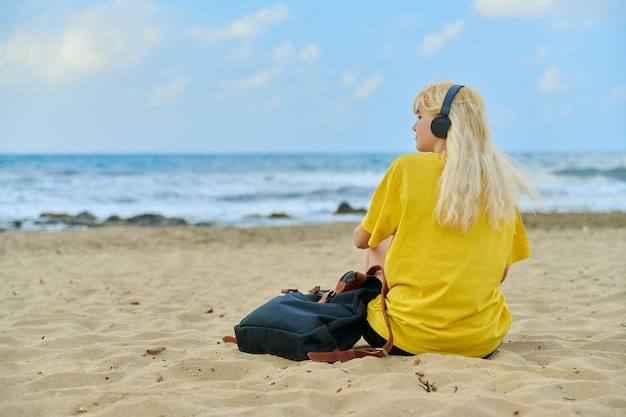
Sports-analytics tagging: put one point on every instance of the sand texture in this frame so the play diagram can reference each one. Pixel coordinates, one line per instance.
(128, 322)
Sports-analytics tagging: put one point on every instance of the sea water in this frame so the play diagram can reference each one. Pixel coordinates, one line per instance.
(246, 189)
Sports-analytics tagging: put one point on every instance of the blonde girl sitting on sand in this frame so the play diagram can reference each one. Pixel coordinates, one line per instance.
(446, 227)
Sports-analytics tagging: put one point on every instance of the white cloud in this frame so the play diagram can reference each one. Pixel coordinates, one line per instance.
(271, 104)
(368, 87)
(309, 52)
(284, 50)
(151, 34)
(102, 38)
(257, 80)
(617, 95)
(251, 26)
(553, 79)
(566, 14)
(432, 43)
(515, 8)
(241, 52)
(166, 94)
(348, 79)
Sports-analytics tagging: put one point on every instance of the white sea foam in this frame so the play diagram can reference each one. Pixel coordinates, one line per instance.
(246, 189)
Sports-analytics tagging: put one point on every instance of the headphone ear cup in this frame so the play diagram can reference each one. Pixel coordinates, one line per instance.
(440, 126)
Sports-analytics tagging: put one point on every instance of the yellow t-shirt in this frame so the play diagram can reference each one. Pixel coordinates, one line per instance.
(443, 285)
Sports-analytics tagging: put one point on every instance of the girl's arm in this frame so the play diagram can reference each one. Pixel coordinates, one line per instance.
(506, 272)
(375, 255)
(361, 237)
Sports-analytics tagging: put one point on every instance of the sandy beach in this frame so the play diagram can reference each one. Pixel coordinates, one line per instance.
(86, 314)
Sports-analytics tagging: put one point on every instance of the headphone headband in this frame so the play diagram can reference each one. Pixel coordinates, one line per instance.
(447, 101)
(441, 124)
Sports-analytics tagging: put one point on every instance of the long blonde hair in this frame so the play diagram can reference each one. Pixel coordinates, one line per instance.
(476, 176)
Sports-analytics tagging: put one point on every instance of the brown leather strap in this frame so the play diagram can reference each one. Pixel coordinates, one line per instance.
(383, 307)
(315, 289)
(359, 279)
(346, 355)
(229, 339)
(326, 297)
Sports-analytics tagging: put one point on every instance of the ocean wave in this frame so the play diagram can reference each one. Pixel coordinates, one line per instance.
(244, 189)
(613, 173)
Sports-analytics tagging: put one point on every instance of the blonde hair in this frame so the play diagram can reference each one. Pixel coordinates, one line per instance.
(476, 176)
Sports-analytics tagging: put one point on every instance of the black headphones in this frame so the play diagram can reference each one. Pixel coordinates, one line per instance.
(442, 124)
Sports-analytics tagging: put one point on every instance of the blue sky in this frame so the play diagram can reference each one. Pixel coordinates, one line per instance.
(304, 76)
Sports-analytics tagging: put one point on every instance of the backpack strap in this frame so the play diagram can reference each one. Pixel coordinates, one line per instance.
(349, 281)
(346, 355)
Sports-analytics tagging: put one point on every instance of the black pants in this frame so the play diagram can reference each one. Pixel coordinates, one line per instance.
(377, 341)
